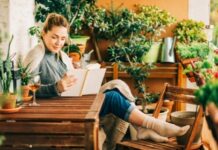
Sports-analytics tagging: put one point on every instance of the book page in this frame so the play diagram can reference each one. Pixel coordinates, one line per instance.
(76, 90)
(93, 81)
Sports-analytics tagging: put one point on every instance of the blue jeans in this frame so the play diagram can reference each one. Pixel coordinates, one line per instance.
(116, 104)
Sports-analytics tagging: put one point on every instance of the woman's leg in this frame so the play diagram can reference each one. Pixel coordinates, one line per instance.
(161, 127)
(117, 104)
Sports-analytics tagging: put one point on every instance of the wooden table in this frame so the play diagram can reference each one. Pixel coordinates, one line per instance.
(58, 123)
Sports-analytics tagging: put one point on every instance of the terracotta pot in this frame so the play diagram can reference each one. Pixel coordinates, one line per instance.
(75, 56)
(25, 90)
(9, 101)
(182, 118)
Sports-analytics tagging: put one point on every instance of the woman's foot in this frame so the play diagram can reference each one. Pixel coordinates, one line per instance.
(164, 128)
(148, 134)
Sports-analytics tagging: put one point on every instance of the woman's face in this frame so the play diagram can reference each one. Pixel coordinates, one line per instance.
(55, 38)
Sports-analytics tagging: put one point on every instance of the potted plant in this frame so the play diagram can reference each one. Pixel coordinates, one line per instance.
(202, 71)
(154, 21)
(8, 99)
(189, 54)
(188, 31)
(192, 53)
(109, 25)
(190, 37)
(74, 52)
(26, 76)
(79, 41)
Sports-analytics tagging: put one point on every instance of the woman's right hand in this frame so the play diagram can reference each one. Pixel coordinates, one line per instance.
(65, 83)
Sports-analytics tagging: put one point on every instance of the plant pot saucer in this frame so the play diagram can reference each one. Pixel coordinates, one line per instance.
(11, 110)
(28, 98)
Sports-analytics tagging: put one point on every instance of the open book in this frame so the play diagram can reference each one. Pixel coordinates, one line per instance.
(88, 81)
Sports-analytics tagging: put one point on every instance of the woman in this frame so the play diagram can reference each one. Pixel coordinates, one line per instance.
(53, 64)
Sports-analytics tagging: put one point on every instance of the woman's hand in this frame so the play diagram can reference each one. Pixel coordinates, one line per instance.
(65, 83)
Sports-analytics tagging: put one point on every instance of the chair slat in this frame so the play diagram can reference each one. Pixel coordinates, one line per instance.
(180, 97)
(179, 90)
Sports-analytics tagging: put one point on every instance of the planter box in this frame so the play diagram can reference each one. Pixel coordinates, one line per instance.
(185, 63)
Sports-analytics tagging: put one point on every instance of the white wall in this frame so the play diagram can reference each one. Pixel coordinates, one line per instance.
(199, 10)
(4, 19)
(17, 16)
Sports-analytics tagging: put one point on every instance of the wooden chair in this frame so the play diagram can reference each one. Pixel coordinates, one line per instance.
(176, 94)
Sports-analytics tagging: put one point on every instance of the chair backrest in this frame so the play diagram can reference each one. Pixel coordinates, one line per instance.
(185, 95)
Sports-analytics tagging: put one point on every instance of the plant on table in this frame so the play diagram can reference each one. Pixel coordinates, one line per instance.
(26, 76)
(6, 66)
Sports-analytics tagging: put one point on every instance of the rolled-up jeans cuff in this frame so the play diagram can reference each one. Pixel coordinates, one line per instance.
(128, 112)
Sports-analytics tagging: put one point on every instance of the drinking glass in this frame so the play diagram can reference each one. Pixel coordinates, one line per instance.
(35, 83)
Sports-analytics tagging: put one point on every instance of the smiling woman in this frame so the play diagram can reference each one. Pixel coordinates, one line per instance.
(47, 57)
(55, 38)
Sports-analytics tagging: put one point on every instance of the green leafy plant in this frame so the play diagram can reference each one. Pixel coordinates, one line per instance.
(129, 60)
(73, 10)
(208, 93)
(35, 31)
(139, 72)
(193, 50)
(5, 70)
(204, 70)
(188, 31)
(71, 48)
(113, 23)
(135, 47)
(24, 72)
(154, 20)
(152, 97)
